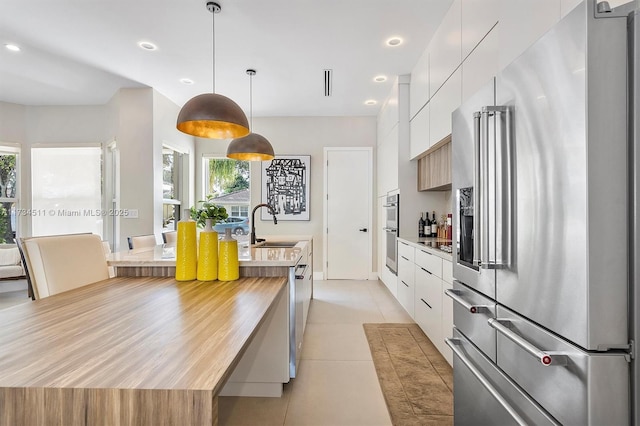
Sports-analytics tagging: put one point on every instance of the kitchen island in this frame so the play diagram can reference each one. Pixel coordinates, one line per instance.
(129, 351)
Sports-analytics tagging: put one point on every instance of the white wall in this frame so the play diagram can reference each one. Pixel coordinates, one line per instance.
(139, 120)
(299, 136)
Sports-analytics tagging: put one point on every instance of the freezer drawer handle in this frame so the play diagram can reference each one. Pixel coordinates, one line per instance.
(546, 358)
(453, 344)
(474, 309)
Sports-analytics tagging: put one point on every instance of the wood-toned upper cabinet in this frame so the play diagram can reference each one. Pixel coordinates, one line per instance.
(478, 17)
(419, 88)
(434, 169)
(445, 53)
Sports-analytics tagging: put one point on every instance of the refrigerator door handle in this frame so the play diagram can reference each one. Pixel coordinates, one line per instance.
(546, 358)
(453, 344)
(456, 296)
(477, 190)
(497, 256)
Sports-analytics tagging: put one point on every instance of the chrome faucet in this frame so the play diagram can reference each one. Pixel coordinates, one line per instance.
(253, 226)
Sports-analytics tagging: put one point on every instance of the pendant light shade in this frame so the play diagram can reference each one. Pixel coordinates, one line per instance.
(253, 147)
(211, 115)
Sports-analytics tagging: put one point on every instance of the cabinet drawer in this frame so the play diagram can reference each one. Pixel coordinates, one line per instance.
(430, 262)
(406, 295)
(405, 251)
(405, 270)
(428, 305)
(447, 271)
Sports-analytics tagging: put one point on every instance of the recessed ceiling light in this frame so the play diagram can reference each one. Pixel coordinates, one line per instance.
(147, 45)
(12, 47)
(380, 78)
(370, 102)
(394, 41)
(186, 81)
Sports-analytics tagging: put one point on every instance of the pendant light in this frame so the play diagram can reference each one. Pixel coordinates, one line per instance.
(211, 115)
(253, 147)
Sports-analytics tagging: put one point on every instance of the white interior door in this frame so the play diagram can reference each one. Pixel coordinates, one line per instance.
(348, 213)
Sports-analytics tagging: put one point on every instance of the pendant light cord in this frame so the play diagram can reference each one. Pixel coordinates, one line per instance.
(251, 101)
(213, 49)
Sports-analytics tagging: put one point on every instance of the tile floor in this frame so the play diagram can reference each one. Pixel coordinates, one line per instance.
(13, 292)
(337, 383)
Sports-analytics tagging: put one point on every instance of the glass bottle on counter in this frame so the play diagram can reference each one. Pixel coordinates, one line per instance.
(421, 225)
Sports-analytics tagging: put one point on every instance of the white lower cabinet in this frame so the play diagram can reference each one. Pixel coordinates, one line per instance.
(422, 279)
(406, 286)
(428, 304)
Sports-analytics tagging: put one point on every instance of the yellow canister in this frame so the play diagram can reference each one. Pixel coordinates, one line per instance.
(208, 253)
(228, 265)
(186, 249)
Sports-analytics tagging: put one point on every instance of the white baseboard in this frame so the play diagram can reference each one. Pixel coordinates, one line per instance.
(268, 390)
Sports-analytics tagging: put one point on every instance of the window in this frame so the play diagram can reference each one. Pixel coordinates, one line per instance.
(66, 190)
(171, 185)
(228, 182)
(8, 194)
(242, 211)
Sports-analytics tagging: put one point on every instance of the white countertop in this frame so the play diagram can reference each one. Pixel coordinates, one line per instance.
(430, 245)
(165, 255)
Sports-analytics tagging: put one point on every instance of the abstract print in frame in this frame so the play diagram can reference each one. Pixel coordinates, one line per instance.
(285, 186)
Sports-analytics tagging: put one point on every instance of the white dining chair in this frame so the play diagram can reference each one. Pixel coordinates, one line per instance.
(170, 237)
(60, 263)
(140, 241)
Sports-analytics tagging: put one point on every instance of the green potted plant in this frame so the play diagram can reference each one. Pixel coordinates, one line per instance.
(208, 210)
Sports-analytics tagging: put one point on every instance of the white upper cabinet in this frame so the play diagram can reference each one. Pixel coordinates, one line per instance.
(419, 88)
(522, 22)
(419, 141)
(481, 65)
(445, 49)
(478, 17)
(443, 103)
(387, 163)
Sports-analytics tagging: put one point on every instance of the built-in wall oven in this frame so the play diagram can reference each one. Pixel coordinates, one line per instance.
(391, 229)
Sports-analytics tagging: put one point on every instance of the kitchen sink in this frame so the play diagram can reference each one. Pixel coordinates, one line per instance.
(274, 244)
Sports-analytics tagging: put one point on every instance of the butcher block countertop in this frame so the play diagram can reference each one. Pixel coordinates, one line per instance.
(128, 351)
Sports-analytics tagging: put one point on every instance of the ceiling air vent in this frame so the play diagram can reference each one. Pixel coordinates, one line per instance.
(328, 82)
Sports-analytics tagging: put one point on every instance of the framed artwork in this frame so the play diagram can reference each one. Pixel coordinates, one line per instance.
(285, 186)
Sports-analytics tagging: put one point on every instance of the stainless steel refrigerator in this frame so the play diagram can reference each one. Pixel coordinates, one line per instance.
(545, 184)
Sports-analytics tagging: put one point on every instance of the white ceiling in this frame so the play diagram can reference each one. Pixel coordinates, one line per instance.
(80, 52)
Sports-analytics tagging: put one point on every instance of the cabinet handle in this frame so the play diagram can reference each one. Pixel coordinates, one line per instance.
(403, 243)
(545, 358)
(474, 309)
(405, 258)
(426, 271)
(425, 302)
(404, 283)
(426, 252)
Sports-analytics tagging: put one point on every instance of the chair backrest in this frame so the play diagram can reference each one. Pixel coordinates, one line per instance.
(140, 241)
(63, 262)
(170, 236)
(107, 250)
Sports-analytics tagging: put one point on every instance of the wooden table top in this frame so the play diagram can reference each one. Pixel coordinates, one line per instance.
(134, 333)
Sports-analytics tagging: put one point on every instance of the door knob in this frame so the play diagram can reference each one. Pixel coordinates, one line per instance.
(363, 229)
